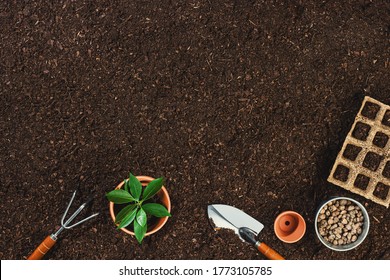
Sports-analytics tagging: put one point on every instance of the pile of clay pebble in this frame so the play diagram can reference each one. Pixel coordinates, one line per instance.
(340, 222)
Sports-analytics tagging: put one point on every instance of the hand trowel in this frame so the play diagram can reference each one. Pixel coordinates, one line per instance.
(246, 227)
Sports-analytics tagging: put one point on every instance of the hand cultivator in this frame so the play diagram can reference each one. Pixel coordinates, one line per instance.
(50, 240)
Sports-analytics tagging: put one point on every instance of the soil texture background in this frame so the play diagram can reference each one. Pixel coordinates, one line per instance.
(245, 103)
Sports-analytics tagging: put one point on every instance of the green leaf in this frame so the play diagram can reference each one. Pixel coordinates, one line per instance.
(124, 212)
(119, 196)
(152, 188)
(139, 231)
(128, 218)
(141, 217)
(127, 185)
(135, 187)
(156, 210)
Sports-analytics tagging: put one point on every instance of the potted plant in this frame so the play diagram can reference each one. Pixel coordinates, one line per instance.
(140, 193)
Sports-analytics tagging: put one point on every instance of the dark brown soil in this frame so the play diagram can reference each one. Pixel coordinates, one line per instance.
(386, 170)
(386, 118)
(370, 110)
(372, 161)
(341, 173)
(361, 131)
(380, 139)
(361, 181)
(245, 103)
(351, 152)
(381, 190)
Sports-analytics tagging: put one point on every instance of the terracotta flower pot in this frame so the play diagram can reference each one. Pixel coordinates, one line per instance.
(164, 199)
(290, 226)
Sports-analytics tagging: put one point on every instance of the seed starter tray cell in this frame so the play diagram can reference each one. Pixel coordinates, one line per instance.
(362, 165)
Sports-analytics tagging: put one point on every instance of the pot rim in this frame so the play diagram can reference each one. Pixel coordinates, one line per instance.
(300, 220)
(145, 180)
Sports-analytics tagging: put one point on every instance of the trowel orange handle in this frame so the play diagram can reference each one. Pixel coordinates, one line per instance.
(267, 251)
(42, 249)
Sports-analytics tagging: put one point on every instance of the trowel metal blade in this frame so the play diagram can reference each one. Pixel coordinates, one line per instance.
(226, 216)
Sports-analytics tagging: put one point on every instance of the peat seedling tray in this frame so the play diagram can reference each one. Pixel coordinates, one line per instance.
(363, 163)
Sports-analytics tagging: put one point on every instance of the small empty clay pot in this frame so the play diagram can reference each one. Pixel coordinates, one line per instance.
(289, 226)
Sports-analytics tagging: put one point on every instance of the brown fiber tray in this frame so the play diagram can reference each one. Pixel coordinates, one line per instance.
(363, 164)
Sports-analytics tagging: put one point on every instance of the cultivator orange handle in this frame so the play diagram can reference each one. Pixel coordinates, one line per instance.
(42, 249)
(270, 253)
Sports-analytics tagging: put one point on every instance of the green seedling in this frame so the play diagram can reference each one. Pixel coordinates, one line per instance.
(139, 209)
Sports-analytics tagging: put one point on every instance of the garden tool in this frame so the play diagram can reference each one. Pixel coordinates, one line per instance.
(246, 227)
(50, 240)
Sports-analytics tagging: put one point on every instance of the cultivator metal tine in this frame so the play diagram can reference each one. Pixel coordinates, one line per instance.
(66, 211)
(77, 212)
(66, 224)
(50, 240)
